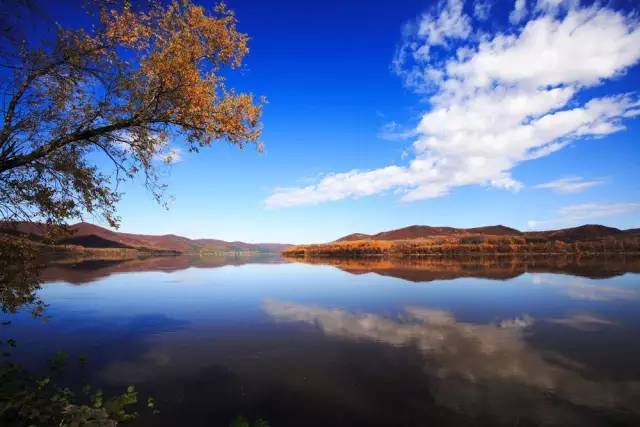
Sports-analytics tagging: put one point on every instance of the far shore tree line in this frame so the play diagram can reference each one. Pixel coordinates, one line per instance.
(466, 245)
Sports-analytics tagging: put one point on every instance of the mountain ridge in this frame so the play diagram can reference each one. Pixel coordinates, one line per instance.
(423, 240)
(411, 232)
(89, 235)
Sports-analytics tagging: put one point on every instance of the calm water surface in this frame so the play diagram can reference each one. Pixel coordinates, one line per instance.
(352, 343)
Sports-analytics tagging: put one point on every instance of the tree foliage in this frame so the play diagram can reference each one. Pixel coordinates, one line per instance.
(18, 276)
(39, 400)
(121, 89)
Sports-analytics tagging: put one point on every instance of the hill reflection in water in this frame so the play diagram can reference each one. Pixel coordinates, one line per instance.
(425, 269)
(87, 271)
(412, 269)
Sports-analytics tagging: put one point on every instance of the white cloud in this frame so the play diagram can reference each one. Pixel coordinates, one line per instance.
(583, 48)
(339, 186)
(496, 100)
(449, 23)
(519, 11)
(577, 214)
(554, 6)
(571, 185)
(393, 131)
(596, 210)
(436, 29)
(481, 9)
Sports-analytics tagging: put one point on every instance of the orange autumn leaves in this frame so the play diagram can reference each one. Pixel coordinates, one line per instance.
(181, 52)
(146, 74)
(468, 245)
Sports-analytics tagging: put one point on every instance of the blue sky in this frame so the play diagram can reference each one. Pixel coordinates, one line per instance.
(388, 114)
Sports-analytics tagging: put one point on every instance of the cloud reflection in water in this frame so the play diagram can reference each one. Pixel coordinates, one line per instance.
(477, 368)
(579, 288)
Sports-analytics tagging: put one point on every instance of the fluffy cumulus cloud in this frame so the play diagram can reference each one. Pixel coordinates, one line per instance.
(497, 99)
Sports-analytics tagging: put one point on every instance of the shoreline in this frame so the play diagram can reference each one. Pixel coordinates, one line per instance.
(455, 255)
(76, 254)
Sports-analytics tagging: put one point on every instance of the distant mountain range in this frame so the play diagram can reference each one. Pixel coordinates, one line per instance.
(93, 236)
(418, 240)
(412, 240)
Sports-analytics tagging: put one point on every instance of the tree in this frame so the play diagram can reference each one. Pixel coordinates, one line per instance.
(122, 89)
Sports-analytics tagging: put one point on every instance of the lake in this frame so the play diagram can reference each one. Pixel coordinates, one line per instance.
(478, 341)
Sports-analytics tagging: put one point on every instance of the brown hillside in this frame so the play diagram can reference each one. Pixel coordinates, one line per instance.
(419, 240)
(632, 232)
(584, 232)
(354, 236)
(495, 230)
(93, 236)
(425, 232)
(92, 241)
(417, 232)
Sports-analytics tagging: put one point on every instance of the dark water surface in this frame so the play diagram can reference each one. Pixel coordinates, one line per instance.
(491, 341)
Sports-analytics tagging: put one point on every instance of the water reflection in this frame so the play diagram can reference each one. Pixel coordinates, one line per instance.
(584, 322)
(424, 269)
(579, 288)
(87, 271)
(476, 341)
(480, 368)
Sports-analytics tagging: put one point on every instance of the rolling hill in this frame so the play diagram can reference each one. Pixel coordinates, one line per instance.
(425, 231)
(418, 240)
(88, 235)
(583, 232)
